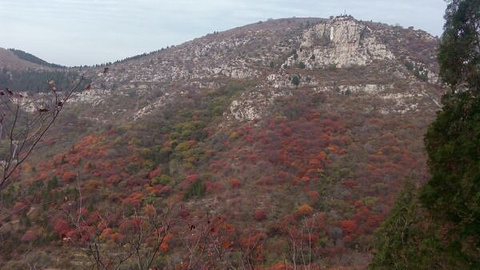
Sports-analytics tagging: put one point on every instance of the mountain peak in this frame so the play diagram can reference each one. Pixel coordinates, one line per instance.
(277, 56)
(289, 130)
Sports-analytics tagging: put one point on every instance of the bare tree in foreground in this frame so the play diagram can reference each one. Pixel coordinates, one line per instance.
(24, 123)
(135, 243)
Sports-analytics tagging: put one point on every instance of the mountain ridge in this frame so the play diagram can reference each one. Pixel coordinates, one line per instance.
(9, 60)
(275, 145)
(33, 59)
(243, 53)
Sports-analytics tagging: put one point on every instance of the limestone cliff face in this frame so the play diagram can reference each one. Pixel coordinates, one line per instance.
(340, 42)
(326, 60)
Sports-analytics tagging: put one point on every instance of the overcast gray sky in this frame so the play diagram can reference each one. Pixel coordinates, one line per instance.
(86, 32)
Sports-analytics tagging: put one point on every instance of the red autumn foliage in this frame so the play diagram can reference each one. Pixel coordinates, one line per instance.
(58, 158)
(134, 199)
(93, 218)
(81, 234)
(150, 211)
(154, 173)
(131, 225)
(29, 236)
(184, 214)
(69, 177)
(61, 227)
(20, 207)
(348, 226)
(158, 189)
(302, 149)
(259, 215)
(304, 210)
(137, 182)
(42, 175)
(235, 183)
(350, 183)
(213, 186)
(191, 178)
(106, 233)
(113, 179)
(313, 195)
(164, 244)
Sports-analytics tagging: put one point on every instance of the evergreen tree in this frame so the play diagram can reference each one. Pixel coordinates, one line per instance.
(459, 51)
(448, 235)
(406, 239)
(452, 195)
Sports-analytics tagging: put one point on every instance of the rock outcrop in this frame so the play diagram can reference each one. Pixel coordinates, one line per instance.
(340, 42)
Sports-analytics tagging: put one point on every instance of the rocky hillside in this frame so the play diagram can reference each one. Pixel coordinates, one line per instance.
(271, 53)
(273, 145)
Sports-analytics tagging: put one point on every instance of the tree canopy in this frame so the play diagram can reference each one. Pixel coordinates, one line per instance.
(459, 51)
(448, 235)
(452, 141)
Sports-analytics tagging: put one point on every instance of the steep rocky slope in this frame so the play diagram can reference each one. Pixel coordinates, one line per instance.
(271, 53)
(278, 144)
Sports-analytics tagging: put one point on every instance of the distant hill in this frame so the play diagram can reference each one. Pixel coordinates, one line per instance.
(22, 71)
(33, 59)
(11, 61)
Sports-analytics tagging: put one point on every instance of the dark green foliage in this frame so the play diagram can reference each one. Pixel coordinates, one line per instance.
(175, 140)
(404, 241)
(36, 81)
(217, 106)
(157, 155)
(34, 187)
(233, 88)
(451, 197)
(459, 52)
(8, 196)
(453, 193)
(295, 55)
(295, 80)
(53, 183)
(132, 168)
(421, 75)
(409, 65)
(9, 243)
(196, 190)
(419, 72)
